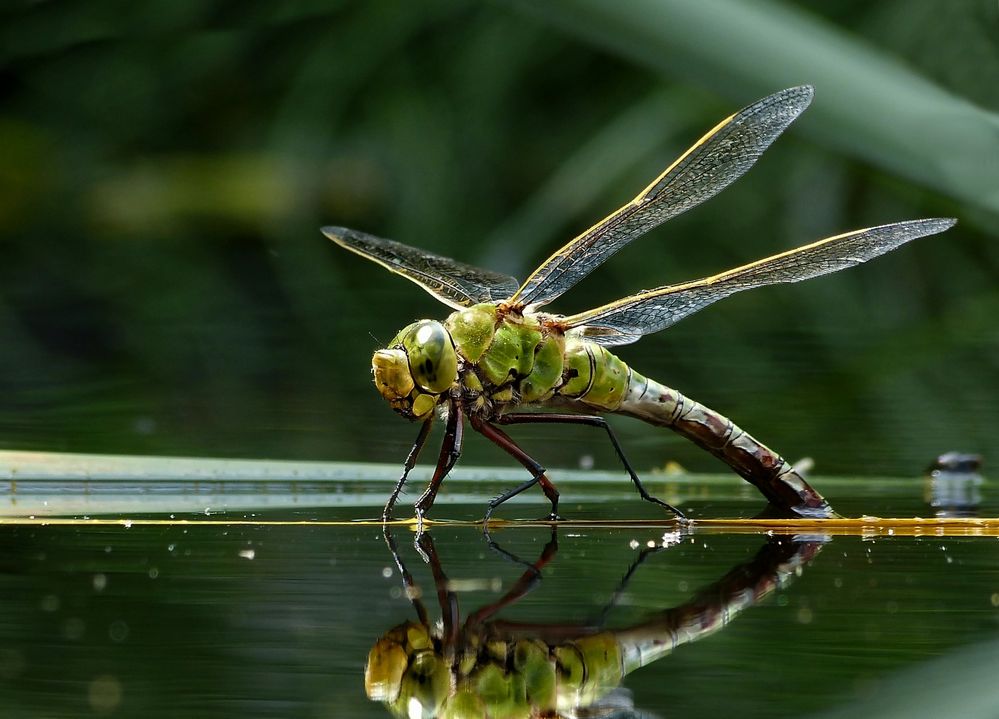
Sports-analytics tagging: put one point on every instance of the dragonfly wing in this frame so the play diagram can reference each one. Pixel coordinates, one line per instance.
(628, 319)
(453, 283)
(715, 161)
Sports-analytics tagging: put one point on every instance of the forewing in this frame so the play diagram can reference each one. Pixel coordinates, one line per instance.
(628, 319)
(715, 161)
(453, 283)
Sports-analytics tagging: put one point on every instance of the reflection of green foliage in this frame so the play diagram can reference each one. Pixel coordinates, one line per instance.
(166, 169)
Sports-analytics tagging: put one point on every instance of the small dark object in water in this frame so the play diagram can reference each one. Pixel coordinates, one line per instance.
(952, 485)
(956, 462)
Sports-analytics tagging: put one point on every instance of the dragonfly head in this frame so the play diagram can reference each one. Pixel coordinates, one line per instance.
(418, 366)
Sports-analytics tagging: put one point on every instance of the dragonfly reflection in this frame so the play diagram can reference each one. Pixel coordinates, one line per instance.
(487, 667)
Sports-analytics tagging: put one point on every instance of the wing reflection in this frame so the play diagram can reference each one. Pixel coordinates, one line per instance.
(488, 667)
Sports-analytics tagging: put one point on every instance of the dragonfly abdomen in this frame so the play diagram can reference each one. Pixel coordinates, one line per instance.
(774, 566)
(594, 376)
(759, 465)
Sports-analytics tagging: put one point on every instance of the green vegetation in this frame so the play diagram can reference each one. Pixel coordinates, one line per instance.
(165, 169)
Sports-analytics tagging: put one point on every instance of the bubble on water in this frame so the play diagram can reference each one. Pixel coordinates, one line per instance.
(100, 582)
(387, 572)
(634, 544)
(247, 553)
(671, 538)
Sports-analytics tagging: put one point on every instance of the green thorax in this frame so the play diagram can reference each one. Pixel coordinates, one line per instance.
(509, 358)
(492, 677)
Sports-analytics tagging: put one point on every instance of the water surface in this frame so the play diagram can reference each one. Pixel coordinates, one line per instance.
(238, 613)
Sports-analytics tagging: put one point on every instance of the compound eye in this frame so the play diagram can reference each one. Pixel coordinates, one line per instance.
(432, 359)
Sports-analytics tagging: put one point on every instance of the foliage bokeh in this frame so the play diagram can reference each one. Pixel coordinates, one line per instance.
(165, 168)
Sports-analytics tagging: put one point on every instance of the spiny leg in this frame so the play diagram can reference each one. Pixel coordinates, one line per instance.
(504, 442)
(592, 421)
(414, 454)
(450, 451)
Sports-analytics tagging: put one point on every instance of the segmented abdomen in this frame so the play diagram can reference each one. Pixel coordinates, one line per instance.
(605, 382)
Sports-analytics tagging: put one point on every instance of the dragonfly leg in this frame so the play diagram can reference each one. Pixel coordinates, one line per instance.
(414, 454)
(527, 582)
(619, 591)
(591, 421)
(408, 583)
(450, 451)
(447, 599)
(504, 442)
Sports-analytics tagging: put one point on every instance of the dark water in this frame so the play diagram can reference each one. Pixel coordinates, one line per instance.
(268, 619)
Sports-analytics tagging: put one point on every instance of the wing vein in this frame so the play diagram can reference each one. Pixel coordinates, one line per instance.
(650, 311)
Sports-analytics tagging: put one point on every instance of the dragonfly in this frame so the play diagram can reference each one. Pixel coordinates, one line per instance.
(488, 666)
(499, 359)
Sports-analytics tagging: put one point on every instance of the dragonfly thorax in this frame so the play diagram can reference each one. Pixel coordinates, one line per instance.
(505, 357)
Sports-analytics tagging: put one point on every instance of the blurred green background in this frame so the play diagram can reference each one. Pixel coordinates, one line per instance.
(165, 167)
